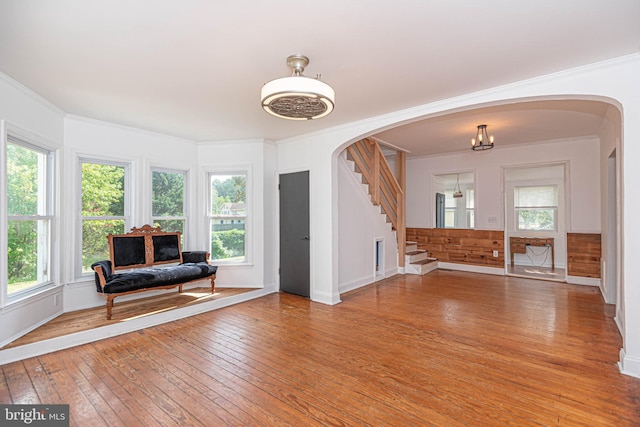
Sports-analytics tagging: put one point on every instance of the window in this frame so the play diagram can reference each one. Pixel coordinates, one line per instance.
(168, 200)
(450, 209)
(104, 208)
(455, 212)
(29, 215)
(536, 207)
(228, 216)
(471, 218)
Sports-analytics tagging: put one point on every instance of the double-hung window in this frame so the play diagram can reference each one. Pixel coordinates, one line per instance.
(536, 207)
(228, 216)
(29, 215)
(168, 200)
(105, 208)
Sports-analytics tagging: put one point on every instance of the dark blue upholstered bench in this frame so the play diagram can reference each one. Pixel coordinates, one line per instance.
(145, 254)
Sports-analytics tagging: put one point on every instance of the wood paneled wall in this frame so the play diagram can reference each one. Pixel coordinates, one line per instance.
(583, 254)
(461, 245)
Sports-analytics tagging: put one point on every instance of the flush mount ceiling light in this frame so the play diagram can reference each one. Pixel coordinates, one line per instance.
(482, 141)
(297, 97)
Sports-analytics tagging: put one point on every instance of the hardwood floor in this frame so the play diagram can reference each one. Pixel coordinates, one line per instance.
(448, 348)
(537, 272)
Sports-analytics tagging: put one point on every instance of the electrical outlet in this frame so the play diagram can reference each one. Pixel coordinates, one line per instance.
(495, 254)
(55, 300)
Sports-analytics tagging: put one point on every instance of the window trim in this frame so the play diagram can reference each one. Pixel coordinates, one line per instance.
(248, 227)
(127, 165)
(10, 134)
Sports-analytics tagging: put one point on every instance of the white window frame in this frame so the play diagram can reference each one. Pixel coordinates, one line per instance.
(127, 205)
(47, 209)
(185, 205)
(248, 235)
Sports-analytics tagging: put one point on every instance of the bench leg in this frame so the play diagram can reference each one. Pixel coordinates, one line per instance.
(180, 288)
(213, 283)
(109, 306)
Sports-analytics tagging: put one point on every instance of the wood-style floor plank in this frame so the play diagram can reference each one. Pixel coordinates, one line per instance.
(445, 349)
(82, 320)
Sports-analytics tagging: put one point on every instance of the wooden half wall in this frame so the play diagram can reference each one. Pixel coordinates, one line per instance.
(475, 247)
(461, 246)
(584, 251)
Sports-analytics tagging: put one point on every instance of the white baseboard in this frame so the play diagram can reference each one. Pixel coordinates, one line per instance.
(587, 281)
(54, 344)
(325, 298)
(31, 328)
(629, 365)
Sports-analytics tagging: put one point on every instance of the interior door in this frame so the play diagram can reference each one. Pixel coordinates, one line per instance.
(440, 210)
(294, 234)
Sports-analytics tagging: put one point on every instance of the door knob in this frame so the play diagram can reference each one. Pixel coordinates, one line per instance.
(305, 238)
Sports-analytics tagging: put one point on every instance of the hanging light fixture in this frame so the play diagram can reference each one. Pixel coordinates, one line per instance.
(482, 141)
(297, 97)
(457, 193)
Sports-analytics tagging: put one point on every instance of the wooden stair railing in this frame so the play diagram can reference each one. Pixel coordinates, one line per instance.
(384, 188)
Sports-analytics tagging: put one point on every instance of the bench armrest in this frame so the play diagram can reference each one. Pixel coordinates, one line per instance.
(102, 273)
(195, 256)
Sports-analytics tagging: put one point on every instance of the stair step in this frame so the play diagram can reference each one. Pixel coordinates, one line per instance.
(410, 246)
(415, 256)
(422, 267)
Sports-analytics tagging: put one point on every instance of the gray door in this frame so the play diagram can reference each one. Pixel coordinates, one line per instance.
(294, 234)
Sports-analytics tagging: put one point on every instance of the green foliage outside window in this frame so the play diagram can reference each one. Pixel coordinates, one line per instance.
(102, 196)
(227, 244)
(168, 194)
(25, 176)
(536, 219)
(228, 216)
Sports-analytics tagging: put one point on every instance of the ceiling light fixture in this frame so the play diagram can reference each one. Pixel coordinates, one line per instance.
(297, 97)
(457, 193)
(482, 141)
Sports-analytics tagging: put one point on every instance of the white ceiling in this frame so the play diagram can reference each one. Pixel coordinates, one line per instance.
(194, 68)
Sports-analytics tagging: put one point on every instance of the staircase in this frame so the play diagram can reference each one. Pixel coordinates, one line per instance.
(383, 187)
(417, 261)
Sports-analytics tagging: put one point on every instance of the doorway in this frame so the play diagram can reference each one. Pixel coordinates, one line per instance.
(535, 225)
(610, 265)
(295, 263)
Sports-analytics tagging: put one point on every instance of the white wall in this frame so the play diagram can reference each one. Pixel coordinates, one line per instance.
(360, 223)
(27, 112)
(584, 165)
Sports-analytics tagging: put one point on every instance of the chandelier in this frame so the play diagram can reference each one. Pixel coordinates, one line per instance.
(297, 97)
(482, 141)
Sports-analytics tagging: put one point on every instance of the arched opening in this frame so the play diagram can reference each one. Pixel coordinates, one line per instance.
(579, 131)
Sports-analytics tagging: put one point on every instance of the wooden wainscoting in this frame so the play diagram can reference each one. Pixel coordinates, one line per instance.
(583, 254)
(462, 246)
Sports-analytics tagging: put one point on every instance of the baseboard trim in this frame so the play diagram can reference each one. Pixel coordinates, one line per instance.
(629, 365)
(587, 281)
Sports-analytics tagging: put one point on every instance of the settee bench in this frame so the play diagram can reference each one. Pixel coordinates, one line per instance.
(152, 259)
